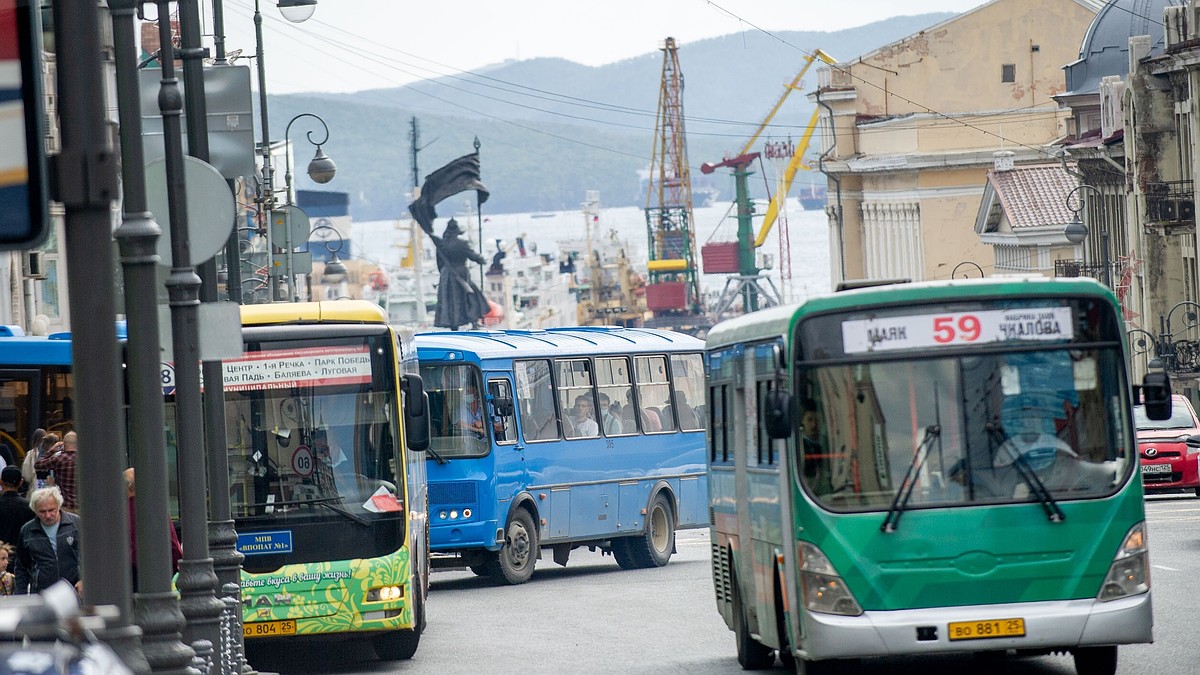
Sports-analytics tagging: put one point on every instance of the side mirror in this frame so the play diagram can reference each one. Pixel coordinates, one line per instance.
(416, 412)
(503, 405)
(1156, 395)
(777, 413)
(1193, 441)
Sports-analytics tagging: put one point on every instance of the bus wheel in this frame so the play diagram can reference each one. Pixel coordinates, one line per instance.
(654, 546)
(402, 644)
(752, 654)
(1095, 660)
(514, 564)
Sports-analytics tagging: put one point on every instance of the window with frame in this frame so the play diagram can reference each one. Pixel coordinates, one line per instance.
(719, 447)
(654, 394)
(535, 397)
(687, 376)
(576, 400)
(1008, 72)
(615, 393)
(504, 426)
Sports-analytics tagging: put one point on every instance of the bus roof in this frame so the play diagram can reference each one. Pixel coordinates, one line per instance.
(29, 350)
(333, 311)
(779, 320)
(555, 341)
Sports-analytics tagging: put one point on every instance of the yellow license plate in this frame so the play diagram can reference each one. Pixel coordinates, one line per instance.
(986, 628)
(269, 628)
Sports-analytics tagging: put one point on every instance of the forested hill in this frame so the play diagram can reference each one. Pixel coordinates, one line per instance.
(550, 129)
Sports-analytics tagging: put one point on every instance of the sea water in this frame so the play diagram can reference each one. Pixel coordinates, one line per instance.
(383, 243)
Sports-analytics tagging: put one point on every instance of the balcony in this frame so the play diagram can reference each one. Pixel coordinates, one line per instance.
(1171, 205)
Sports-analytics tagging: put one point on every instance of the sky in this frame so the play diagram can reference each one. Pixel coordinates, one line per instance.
(351, 45)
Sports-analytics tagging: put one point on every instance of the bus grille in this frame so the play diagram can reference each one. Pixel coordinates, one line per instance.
(721, 580)
(454, 493)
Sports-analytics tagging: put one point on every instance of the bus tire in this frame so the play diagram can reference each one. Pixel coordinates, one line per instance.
(751, 654)
(515, 561)
(401, 645)
(653, 547)
(1095, 660)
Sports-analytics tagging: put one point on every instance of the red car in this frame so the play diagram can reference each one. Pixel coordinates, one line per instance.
(1170, 449)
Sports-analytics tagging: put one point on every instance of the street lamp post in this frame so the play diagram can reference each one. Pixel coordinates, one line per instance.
(295, 11)
(321, 170)
(1076, 231)
(972, 264)
(1169, 348)
(335, 269)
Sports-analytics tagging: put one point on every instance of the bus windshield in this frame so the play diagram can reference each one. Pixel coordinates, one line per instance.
(983, 426)
(318, 445)
(458, 411)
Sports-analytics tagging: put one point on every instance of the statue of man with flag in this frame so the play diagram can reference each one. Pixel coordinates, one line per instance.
(460, 300)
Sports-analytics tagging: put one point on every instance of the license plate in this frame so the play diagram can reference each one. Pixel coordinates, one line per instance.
(1156, 468)
(269, 628)
(987, 628)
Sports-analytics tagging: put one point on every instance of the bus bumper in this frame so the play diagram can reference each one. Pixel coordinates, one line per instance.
(452, 537)
(1048, 625)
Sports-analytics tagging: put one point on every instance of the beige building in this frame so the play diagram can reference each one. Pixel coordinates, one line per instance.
(910, 131)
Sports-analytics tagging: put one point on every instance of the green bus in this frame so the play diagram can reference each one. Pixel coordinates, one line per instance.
(326, 425)
(929, 468)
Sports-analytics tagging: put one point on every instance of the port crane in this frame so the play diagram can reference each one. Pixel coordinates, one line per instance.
(673, 283)
(738, 258)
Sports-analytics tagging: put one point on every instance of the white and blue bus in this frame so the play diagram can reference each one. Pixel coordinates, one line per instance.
(562, 438)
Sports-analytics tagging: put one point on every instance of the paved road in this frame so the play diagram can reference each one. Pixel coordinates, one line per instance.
(593, 617)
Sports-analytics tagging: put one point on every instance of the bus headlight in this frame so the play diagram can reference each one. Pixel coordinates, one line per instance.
(821, 587)
(1129, 573)
(385, 593)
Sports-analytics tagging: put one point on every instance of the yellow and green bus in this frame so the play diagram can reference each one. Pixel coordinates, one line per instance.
(929, 468)
(326, 425)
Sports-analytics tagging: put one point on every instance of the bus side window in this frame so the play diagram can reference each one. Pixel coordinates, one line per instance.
(687, 377)
(653, 390)
(577, 402)
(616, 397)
(539, 418)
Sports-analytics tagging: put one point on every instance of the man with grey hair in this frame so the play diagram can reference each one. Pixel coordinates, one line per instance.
(48, 546)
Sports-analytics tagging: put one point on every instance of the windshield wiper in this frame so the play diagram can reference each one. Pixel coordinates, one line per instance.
(1053, 511)
(332, 503)
(932, 432)
(441, 459)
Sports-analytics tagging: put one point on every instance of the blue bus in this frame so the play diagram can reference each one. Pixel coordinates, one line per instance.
(559, 439)
(36, 386)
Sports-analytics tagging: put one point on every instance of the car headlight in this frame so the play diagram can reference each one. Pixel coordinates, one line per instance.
(1129, 573)
(822, 588)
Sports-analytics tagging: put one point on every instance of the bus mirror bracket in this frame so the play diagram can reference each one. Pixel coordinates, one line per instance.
(777, 413)
(1155, 395)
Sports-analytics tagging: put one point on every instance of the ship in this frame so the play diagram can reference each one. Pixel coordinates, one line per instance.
(607, 288)
(813, 199)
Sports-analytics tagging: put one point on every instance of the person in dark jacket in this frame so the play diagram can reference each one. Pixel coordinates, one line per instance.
(48, 546)
(14, 509)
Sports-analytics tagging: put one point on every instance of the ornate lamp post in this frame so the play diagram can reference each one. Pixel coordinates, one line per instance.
(1076, 231)
(965, 275)
(335, 269)
(321, 170)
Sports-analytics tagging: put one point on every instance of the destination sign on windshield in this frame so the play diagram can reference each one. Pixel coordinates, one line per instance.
(311, 367)
(921, 331)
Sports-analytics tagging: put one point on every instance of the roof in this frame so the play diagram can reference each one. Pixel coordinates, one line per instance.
(555, 342)
(1105, 48)
(1031, 196)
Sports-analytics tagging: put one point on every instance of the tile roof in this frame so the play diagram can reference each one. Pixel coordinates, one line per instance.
(1034, 196)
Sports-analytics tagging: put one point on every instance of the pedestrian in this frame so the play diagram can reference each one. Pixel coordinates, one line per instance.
(48, 547)
(61, 464)
(34, 478)
(14, 509)
(8, 580)
(176, 548)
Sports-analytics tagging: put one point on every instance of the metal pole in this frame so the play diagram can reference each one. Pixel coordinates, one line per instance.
(479, 220)
(156, 604)
(267, 198)
(87, 187)
(220, 537)
(197, 583)
(1104, 257)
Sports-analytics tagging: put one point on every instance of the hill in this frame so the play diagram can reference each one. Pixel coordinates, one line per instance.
(550, 129)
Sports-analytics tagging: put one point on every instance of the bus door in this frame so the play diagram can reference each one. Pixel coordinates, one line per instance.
(508, 456)
(20, 414)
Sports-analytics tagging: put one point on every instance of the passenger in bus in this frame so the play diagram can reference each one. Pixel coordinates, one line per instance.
(470, 412)
(650, 419)
(541, 423)
(814, 464)
(612, 420)
(583, 418)
(688, 419)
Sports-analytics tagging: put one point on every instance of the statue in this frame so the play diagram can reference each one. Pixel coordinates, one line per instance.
(460, 300)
